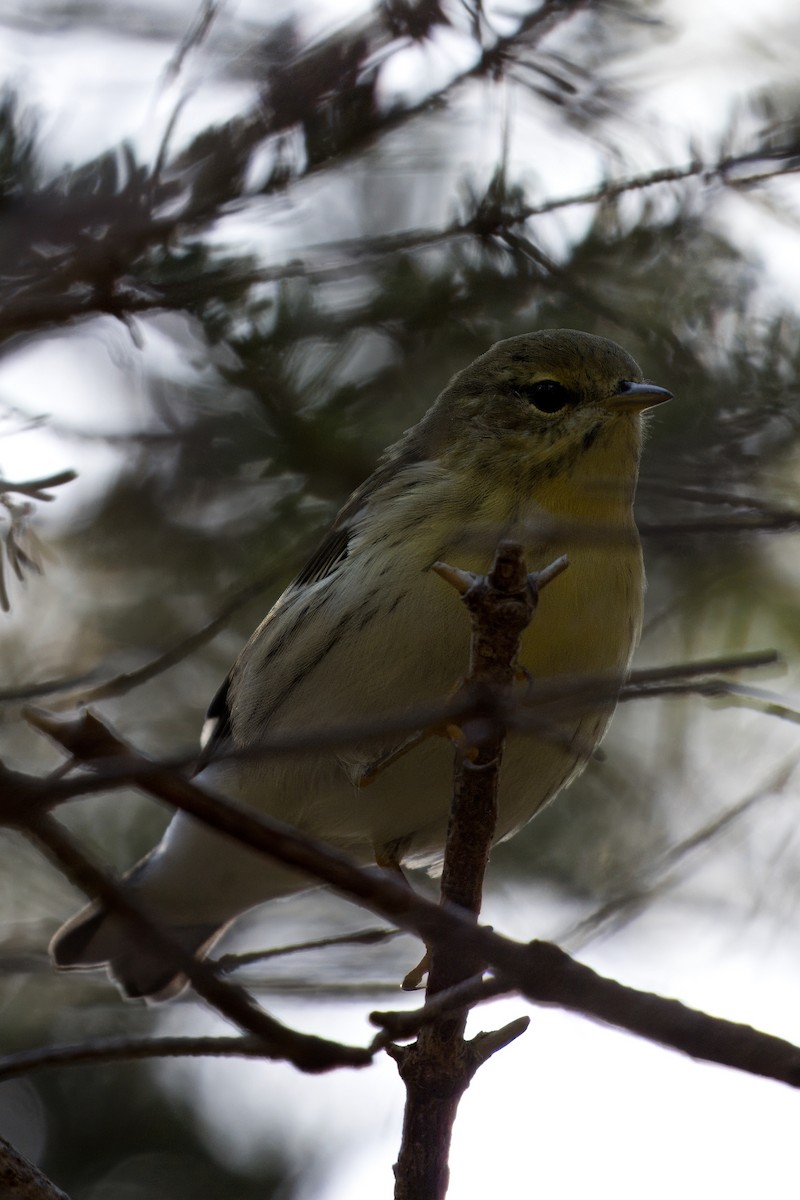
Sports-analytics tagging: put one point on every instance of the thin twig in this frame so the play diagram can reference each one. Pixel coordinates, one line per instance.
(48, 687)
(365, 937)
(750, 660)
(406, 1023)
(194, 36)
(118, 1049)
(522, 714)
(37, 489)
(438, 1067)
(774, 520)
(120, 765)
(758, 699)
(621, 909)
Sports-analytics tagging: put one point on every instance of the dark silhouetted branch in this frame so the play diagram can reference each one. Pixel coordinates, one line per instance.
(21, 1180)
(365, 937)
(438, 1067)
(124, 1049)
(38, 489)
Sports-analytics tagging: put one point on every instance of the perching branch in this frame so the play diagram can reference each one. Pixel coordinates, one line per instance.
(438, 1067)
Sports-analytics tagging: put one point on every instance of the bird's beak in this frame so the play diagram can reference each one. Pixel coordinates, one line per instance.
(636, 397)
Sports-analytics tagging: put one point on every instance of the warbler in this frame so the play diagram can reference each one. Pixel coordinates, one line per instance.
(539, 439)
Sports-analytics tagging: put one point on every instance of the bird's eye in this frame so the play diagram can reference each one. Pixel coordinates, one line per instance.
(547, 395)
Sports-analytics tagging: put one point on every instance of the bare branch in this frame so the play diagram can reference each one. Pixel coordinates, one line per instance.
(765, 521)
(758, 699)
(438, 1067)
(550, 976)
(48, 687)
(21, 1180)
(540, 971)
(722, 170)
(125, 1049)
(37, 489)
(544, 974)
(365, 937)
(406, 1023)
(194, 36)
(750, 660)
(114, 763)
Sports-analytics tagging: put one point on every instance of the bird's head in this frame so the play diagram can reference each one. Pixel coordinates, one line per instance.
(545, 409)
(552, 384)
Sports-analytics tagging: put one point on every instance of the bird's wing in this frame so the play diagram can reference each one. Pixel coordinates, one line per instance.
(332, 550)
(216, 736)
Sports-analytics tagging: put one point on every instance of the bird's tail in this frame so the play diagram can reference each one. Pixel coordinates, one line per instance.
(96, 938)
(195, 883)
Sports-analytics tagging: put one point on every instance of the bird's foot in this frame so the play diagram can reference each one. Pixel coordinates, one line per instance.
(413, 980)
(446, 729)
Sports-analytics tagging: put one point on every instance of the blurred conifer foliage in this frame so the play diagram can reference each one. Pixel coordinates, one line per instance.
(387, 201)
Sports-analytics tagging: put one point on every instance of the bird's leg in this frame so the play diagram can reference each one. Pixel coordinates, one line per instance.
(372, 770)
(523, 675)
(446, 729)
(387, 858)
(412, 981)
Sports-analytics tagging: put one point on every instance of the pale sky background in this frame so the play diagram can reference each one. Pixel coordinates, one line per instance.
(571, 1109)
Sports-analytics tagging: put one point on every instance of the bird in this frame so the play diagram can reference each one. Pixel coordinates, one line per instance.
(538, 440)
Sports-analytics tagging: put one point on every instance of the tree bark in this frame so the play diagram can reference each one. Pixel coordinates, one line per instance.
(438, 1067)
(21, 1180)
